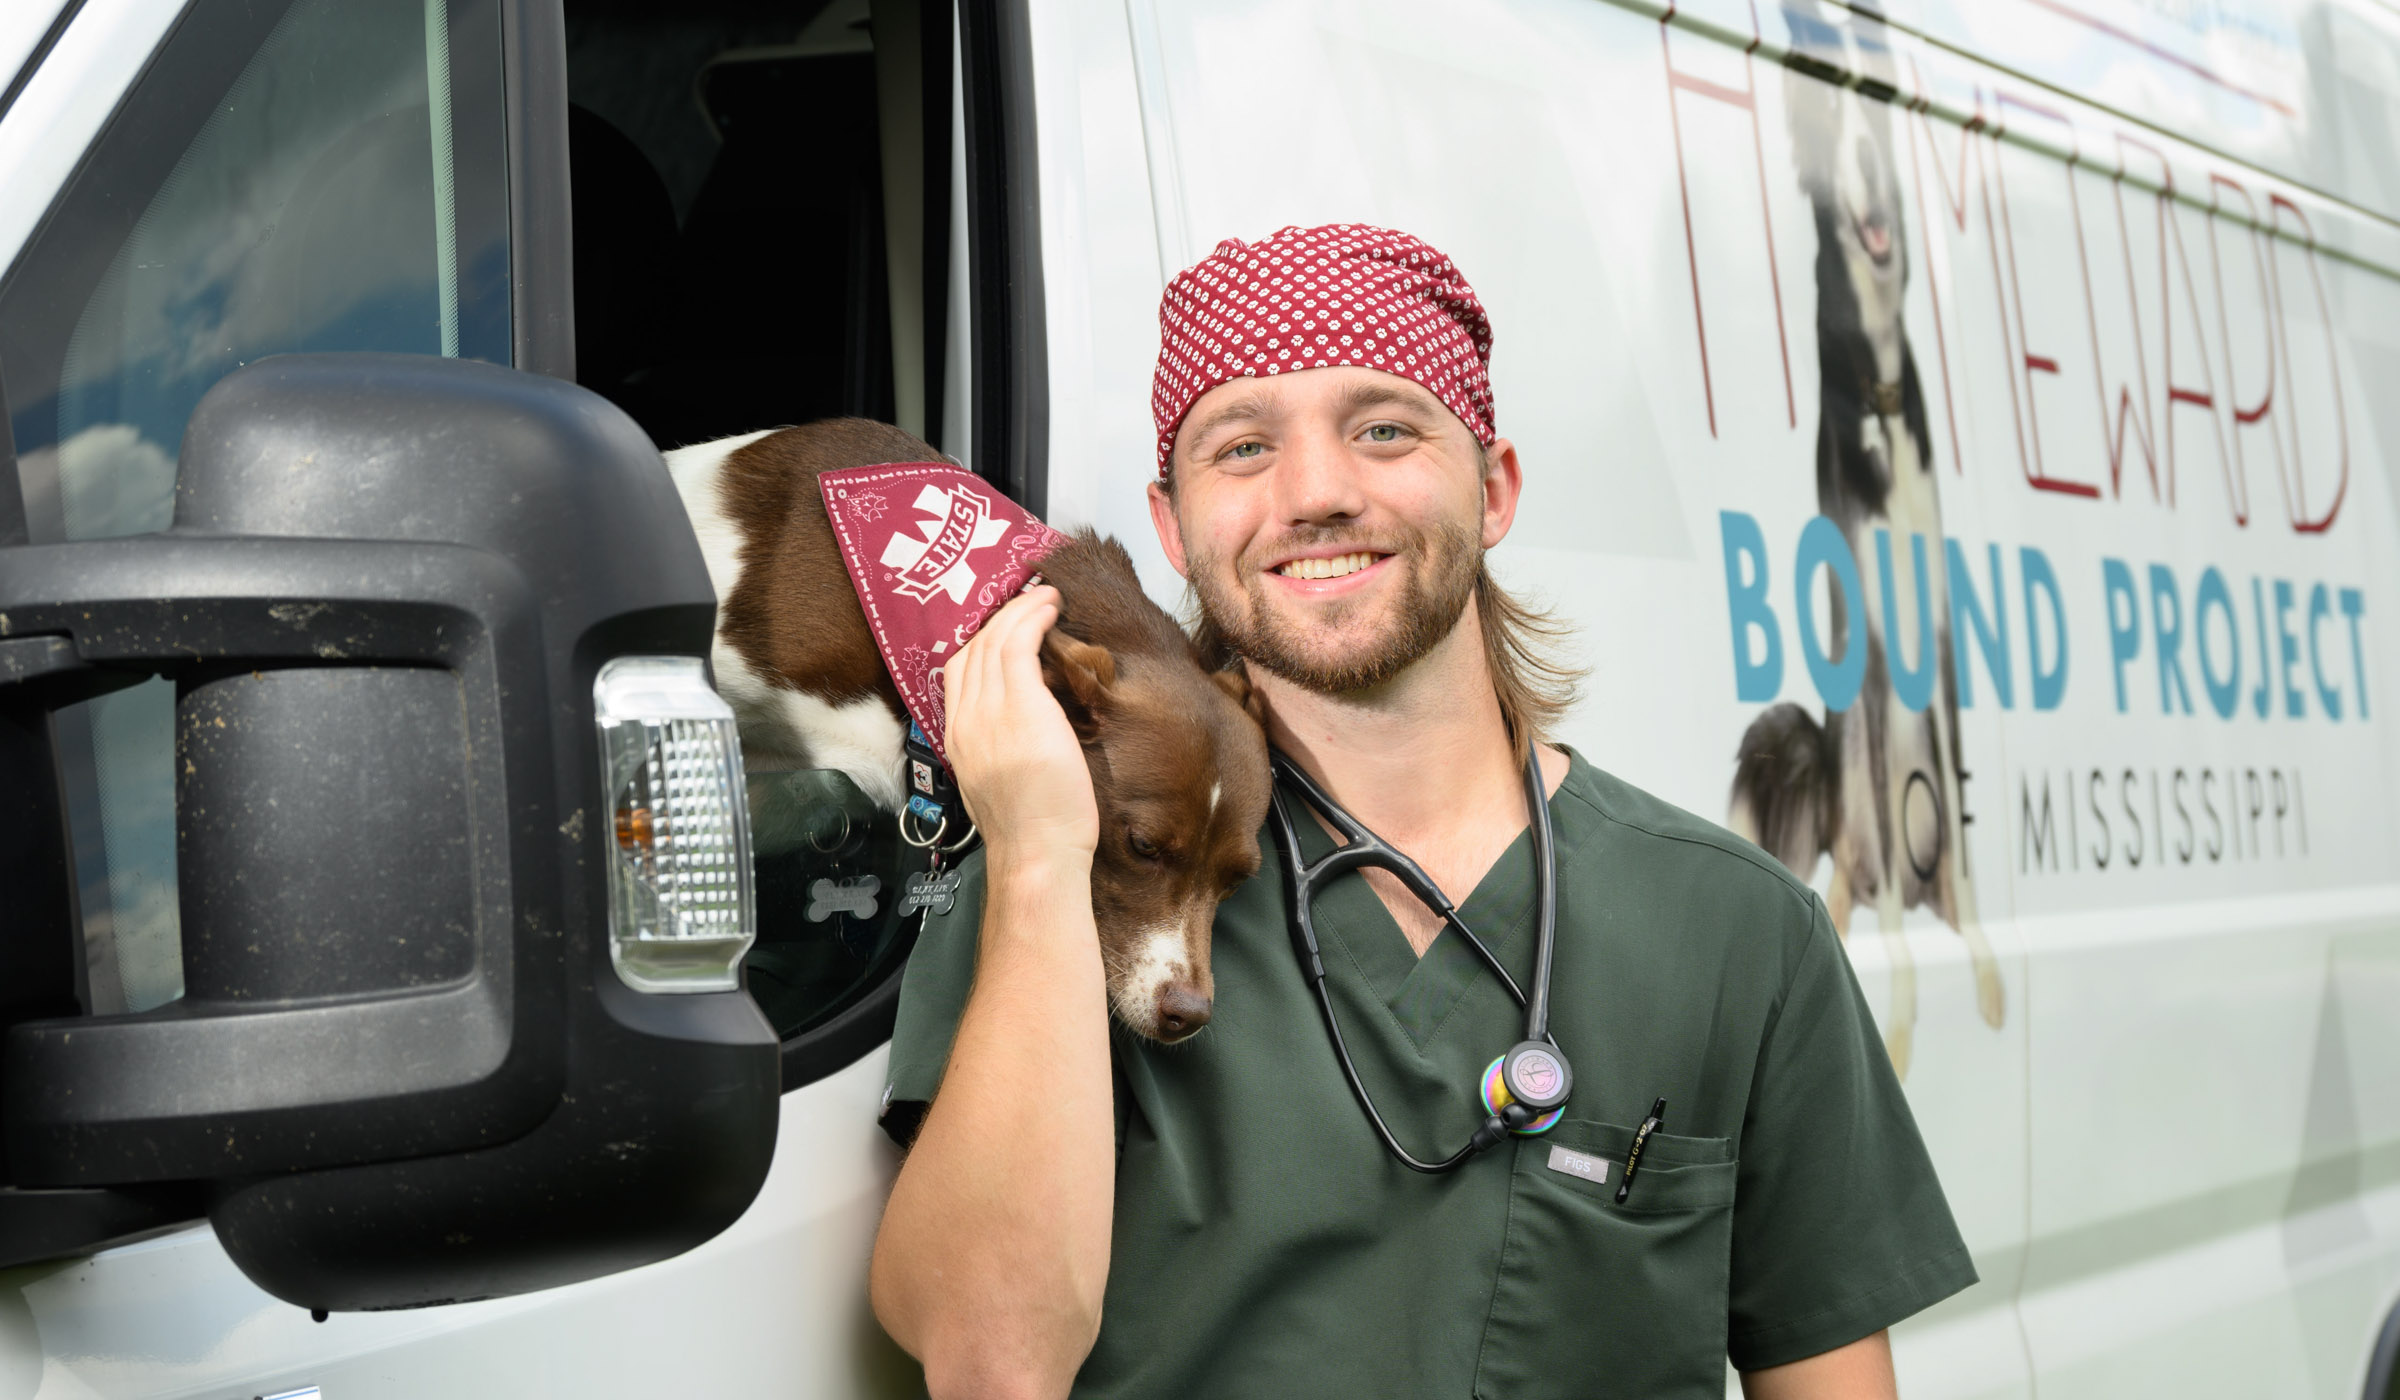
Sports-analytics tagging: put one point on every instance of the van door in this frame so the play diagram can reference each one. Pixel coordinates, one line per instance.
(776, 215)
(329, 673)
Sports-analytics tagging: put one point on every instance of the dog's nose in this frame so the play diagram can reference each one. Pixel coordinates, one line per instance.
(1181, 1011)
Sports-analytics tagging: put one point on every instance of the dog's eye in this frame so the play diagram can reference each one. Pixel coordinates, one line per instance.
(1142, 845)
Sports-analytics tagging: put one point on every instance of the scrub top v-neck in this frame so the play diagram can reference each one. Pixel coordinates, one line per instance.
(1265, 1243)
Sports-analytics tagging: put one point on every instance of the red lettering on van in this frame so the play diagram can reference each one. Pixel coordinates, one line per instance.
(2029, 432)
(2174, 257)
(2296, 499)
(2131, 426)
(2238, 485)
(1746, 98)
(1934, 276)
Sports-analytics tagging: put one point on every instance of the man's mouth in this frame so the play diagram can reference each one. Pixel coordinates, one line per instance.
(1339, 566)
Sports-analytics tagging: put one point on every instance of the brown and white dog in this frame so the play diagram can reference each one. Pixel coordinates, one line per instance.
(1178, 759)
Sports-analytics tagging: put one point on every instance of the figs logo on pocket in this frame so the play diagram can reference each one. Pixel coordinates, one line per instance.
(934, 559)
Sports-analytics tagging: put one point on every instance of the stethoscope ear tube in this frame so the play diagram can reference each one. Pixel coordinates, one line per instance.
(1526, 1089)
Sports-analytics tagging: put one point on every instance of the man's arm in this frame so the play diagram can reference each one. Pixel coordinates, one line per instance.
(993, 1254)
(1859, 1371)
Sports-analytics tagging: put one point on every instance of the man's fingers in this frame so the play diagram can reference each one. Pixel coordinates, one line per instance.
(1014, 635)
(990, 664)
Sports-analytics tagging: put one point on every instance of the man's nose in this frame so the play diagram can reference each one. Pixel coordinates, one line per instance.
(1318, 480)
(1182, 1009)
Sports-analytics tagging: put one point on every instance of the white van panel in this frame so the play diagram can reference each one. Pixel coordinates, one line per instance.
(68, 99)
(774, 1306)
(2176, 1156)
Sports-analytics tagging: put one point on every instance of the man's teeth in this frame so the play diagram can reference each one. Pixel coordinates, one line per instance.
(1335, 567)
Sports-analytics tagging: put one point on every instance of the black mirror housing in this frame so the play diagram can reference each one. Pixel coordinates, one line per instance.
(404, 1070)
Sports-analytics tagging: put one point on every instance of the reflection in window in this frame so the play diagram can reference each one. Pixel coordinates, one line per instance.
(330, 200)
(830, 868)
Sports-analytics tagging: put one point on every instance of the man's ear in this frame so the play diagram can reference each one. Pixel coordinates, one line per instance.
(1078, 669)
(1170, 530)
(1236, 683)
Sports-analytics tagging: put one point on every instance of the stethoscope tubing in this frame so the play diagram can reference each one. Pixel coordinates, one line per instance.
(1363, 849)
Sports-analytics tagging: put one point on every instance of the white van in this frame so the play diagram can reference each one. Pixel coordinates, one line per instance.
(2057, 342)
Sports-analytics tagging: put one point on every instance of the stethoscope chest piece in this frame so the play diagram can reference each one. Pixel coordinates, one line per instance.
(1527, 1088)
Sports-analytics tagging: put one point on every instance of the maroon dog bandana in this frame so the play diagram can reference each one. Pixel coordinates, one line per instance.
(933, 551)
(1313, 298)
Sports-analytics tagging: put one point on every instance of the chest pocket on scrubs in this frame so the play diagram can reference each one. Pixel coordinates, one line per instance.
(1596, 1298)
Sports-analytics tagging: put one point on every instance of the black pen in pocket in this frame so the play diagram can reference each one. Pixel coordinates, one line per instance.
(1633, 1154)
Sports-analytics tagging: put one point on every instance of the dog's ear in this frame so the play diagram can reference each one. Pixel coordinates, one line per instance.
(1236, 683)
(1078, 670)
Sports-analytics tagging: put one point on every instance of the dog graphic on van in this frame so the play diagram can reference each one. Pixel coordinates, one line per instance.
(1875, 785)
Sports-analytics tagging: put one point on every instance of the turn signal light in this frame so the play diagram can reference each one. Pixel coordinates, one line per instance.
(680, 907)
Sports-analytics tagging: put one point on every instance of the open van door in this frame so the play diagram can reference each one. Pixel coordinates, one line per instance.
(463, 867)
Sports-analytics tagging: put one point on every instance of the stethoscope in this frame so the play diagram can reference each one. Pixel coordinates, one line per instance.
(1524, 1091)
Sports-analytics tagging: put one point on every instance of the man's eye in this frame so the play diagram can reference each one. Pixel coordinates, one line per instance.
(1245, 451)
(1384, 432)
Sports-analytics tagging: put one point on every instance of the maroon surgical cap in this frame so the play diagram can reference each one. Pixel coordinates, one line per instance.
(1312, 298)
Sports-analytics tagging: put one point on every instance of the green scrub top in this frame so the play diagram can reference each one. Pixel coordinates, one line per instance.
(1265, 1243)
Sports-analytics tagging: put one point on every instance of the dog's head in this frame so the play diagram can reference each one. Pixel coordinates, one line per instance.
(1179, 771)
(1842, 142)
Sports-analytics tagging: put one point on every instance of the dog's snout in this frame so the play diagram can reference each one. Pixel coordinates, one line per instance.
(1181, 1010)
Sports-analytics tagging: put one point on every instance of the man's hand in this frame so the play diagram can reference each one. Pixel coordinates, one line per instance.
(1859, 1371)
(1019, 766)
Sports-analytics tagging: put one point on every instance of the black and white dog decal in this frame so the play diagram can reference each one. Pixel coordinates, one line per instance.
(1875, 785)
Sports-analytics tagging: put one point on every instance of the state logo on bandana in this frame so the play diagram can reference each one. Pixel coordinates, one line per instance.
(933, 551)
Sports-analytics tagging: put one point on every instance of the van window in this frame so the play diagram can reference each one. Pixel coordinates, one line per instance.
(309, 175)
(763, 237)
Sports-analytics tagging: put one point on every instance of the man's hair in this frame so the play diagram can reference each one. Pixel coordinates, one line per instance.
(1523, 648)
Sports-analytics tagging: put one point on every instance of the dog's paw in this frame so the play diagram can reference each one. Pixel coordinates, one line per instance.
(1991, 996)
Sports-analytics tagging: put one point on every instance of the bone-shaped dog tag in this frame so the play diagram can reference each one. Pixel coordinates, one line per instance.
(854, 896)
(934, 890)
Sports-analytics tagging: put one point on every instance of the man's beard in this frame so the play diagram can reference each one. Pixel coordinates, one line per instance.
(1439, 584)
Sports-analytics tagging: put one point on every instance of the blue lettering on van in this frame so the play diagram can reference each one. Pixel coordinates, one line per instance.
(2143, 602)
(1967, 620)
(2288, 647)
(2320, 606)
(1837, 682)
(2354, 607)
(2124, 626)
(1746, 609)
(1912, 684)
(2049, 686)
(2266, 669)
(2166, 625)
(2224, 696)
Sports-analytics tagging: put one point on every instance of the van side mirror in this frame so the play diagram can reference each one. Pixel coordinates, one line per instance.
(427, 1050)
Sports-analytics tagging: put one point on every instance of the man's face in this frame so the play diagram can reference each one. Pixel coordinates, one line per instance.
(1331, 521)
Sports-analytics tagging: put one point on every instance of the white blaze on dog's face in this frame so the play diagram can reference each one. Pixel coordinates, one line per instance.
(1179, 774)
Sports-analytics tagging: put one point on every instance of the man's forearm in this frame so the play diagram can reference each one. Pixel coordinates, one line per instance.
(993, 1254)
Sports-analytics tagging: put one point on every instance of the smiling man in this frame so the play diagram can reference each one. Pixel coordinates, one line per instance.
(1086, 1211)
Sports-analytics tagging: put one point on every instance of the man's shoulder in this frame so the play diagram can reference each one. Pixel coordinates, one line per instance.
(1683, 846)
